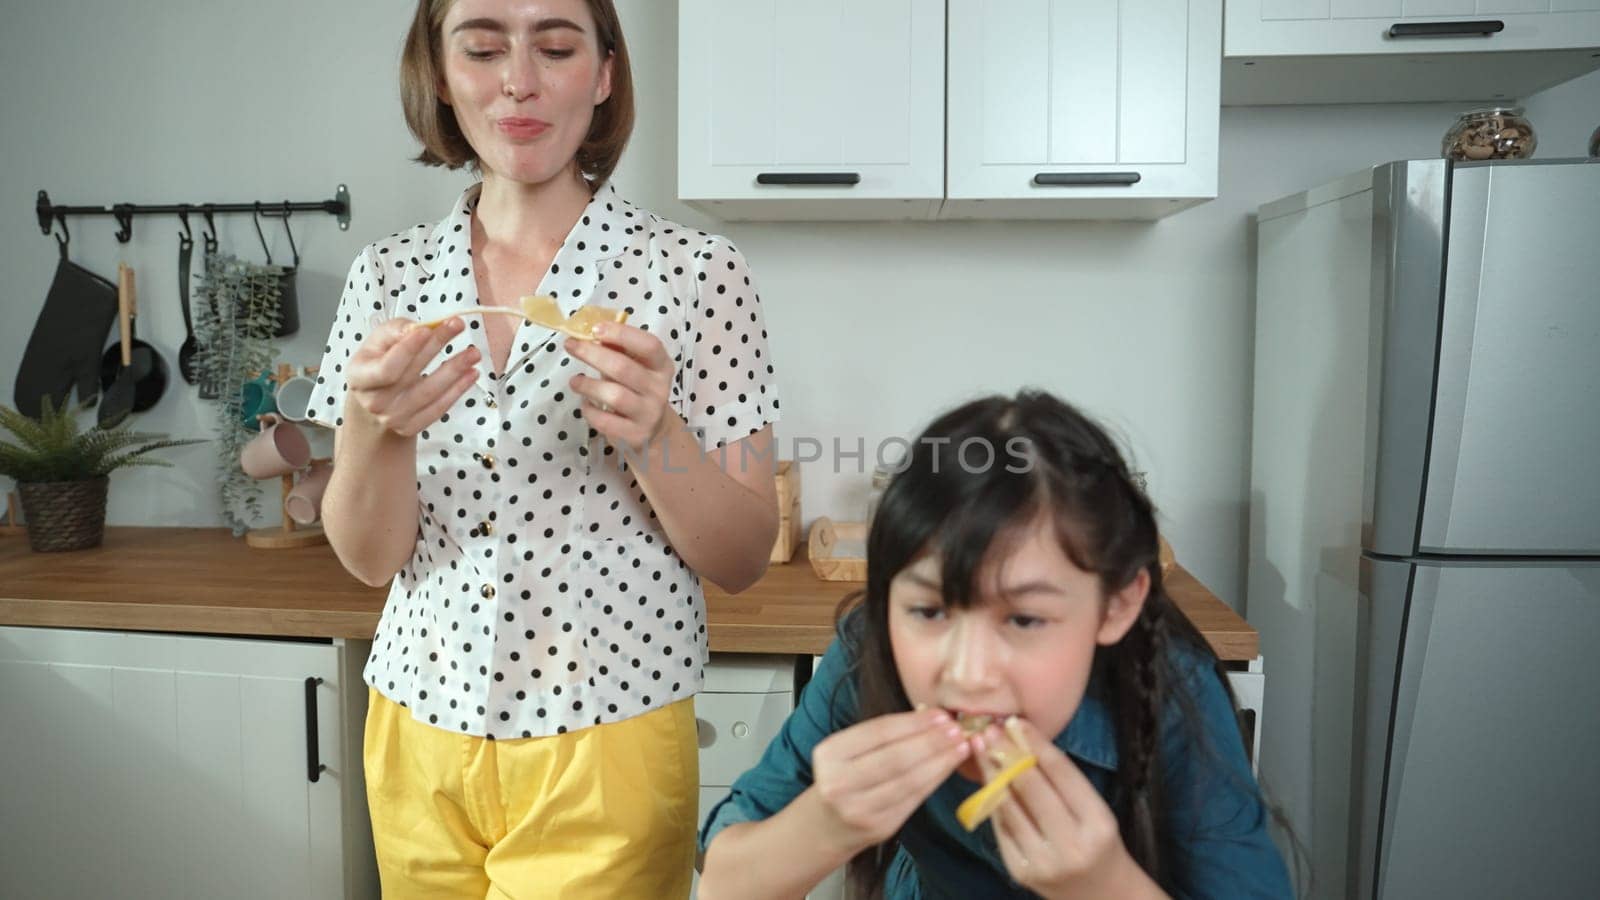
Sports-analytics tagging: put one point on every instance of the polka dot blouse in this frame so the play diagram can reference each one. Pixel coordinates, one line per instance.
(542, 595)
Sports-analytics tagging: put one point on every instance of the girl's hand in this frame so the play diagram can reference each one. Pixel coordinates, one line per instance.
(870, 777)
(1057, 836)
(385, 377)
(628, 403)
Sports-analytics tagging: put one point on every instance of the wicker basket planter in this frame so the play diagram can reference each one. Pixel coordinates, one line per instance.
(64, 515)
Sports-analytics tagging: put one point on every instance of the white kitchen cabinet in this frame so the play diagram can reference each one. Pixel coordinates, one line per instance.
(1081, 108)
(743, 706)
(788, 108)
(158, 766)
(1361, 51)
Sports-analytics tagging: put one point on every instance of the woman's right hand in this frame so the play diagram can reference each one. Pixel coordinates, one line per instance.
(385, 377)
(870, 777)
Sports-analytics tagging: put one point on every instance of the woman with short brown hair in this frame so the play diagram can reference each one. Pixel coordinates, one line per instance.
(434, 123)
(544, 505)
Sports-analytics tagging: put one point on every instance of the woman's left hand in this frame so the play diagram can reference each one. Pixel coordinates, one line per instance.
(1057, 837)
(628, 404)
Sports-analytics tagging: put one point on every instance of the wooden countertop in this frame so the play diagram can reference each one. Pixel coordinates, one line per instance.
(202, 580)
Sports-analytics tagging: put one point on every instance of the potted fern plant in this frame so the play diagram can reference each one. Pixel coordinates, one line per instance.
(62, 473)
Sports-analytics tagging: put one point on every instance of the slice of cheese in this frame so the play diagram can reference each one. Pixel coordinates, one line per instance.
(975, 810)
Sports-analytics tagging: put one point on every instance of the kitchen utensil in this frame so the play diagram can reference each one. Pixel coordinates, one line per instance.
(64, 349)
(542, 310)
(288, 301)
(186, 353)
(211, 386)
(117, 401)
(280, 448)
(838, 550)
(133, 363)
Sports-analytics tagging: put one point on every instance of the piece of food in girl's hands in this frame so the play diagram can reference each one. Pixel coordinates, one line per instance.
(1011, 756)
(975, 810)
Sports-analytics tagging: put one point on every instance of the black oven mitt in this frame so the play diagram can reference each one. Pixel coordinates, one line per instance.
(64, 350)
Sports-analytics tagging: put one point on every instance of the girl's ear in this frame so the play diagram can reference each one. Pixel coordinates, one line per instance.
(1123, 608)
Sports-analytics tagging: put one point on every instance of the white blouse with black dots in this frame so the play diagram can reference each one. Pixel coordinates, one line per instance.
(542, 595)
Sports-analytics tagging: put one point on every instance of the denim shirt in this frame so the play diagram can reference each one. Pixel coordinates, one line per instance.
(1218, 844)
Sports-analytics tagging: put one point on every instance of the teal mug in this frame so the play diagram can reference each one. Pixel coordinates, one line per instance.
(257, 398)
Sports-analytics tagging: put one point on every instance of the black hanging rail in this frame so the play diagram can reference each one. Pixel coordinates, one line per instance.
(125, 212)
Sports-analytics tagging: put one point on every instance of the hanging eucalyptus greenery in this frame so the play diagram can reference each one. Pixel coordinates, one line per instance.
(237, 312)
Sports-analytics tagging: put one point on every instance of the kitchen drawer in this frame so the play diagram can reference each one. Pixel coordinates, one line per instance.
(749, 673)
(735, 730)
(710, 797)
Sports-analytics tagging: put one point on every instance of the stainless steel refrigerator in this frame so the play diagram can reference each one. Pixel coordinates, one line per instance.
(1424, 565)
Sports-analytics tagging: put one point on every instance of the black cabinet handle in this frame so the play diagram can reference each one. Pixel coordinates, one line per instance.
(833, 179)
(1085, 179)
(1483, 27)
(314, 768)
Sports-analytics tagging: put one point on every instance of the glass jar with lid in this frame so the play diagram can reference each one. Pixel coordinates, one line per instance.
(881, 476)
(1497, 132)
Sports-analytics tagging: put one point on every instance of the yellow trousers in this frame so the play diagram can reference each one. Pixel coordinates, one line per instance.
(602, 812)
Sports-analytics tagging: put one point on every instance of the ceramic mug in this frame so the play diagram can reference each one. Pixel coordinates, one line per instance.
(256, 398)
(279, 449)
(304, 503)
(293, 398)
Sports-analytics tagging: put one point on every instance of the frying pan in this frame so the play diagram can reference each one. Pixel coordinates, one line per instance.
(133, 375)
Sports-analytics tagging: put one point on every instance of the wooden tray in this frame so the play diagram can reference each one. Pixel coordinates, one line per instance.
(838, 550)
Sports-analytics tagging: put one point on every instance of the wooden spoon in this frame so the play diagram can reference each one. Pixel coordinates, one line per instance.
(542, 310)
(116, 398)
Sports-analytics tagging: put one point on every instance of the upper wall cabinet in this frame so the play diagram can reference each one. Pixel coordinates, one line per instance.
(846, 109)
(821, 109)
(1365, 51)
(1081, 108)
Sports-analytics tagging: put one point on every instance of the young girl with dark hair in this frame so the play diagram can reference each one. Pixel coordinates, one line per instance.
(1012, 577)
